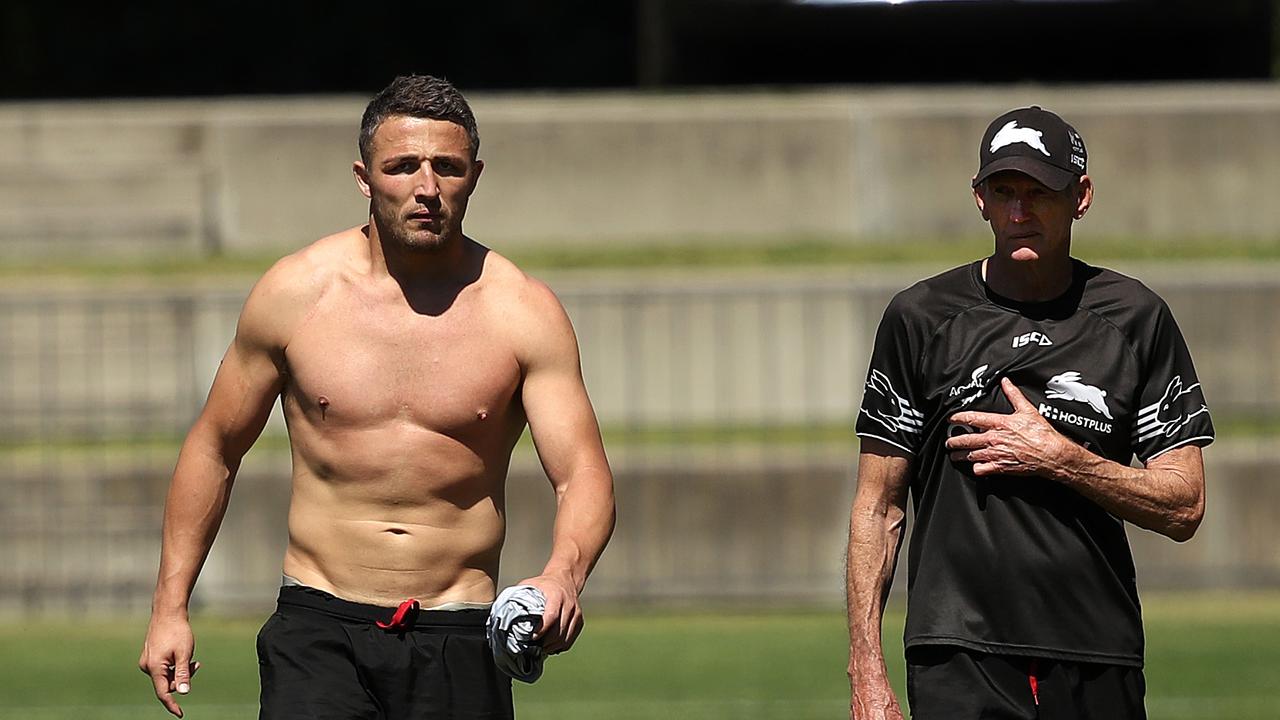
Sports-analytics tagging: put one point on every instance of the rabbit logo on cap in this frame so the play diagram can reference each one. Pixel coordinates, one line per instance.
(1011, 133)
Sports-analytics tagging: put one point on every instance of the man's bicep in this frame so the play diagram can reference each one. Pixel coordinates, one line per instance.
(561, 419)
(244, 391)
(884, 473)
(876, 522)
(251, 373)
(563, 424)
(1186, 461)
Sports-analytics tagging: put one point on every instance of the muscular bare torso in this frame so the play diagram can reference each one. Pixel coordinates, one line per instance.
(401, 423)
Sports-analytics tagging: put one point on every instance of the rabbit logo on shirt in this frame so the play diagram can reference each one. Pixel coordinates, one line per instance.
(882, 403)
(1168, 415)
(1175, 409)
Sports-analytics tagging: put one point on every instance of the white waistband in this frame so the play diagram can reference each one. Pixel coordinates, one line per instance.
(287, 581)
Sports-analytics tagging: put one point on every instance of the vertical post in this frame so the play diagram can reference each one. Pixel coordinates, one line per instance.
(1274, 19)
(651, 43)
(211, 231)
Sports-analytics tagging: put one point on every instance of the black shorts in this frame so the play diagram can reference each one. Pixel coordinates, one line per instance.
(324, 658)
(951, 683)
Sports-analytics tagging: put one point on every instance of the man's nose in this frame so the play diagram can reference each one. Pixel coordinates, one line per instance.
(1018, 210)
(427, 184)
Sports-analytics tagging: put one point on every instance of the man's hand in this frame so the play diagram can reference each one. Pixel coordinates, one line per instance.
(562, 619)
(1022, 443)
(166, 657)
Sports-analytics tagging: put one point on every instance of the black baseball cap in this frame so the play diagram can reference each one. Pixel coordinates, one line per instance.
(1034, 141)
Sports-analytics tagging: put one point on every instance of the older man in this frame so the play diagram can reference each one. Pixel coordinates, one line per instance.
(1007, 397)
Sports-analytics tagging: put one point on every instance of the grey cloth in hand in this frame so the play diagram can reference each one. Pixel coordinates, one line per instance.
(514, 617)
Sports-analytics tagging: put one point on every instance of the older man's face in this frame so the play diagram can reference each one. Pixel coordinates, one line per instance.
(1030, 220)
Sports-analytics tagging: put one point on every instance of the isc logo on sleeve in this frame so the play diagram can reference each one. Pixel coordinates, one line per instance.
(1031, 338)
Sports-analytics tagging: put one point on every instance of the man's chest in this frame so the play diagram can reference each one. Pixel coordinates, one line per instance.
(359, 367)
(1079, 373)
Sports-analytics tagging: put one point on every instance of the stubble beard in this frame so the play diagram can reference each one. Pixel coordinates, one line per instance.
(420, 240)
(402, 233)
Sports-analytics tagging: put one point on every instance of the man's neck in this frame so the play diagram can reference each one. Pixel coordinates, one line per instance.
(1028, 281)
(449, 263)
(430, 281)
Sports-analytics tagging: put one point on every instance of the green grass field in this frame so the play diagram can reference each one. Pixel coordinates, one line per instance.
(1210, 657)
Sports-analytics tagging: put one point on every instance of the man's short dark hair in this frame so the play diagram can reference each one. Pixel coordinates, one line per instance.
(418, 96)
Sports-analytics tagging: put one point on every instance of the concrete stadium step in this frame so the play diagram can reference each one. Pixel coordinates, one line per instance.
(103, 210)
(77, 134)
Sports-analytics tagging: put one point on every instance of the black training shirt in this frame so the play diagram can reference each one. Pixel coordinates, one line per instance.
(1024, 565)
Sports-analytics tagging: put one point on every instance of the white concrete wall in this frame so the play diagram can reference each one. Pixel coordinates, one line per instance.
(756, 525)
(270, 175)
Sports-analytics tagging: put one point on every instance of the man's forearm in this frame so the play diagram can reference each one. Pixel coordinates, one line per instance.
(875, 530)
(196, 503)
(1166, 496)
(584, 523)
(1167, 499)
(876, 523)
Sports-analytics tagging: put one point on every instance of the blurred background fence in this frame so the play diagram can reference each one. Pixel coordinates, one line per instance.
(727, 401)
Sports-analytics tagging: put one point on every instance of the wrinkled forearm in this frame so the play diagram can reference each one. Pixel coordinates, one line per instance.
(875, 531)
(1168, 499)
(876, 524)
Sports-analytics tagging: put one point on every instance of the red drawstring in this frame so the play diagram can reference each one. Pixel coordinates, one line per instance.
(1035, 684)
(401, 620)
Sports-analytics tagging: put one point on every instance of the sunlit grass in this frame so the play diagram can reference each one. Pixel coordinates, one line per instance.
(639, 436)
(691, 251)
(1209, 657)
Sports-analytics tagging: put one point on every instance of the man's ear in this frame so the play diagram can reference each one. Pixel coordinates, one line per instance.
(477, 167)
(979, 200)
(1084, 196)
(362, 178)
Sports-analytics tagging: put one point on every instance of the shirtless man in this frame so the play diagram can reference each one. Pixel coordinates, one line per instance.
(408, 359)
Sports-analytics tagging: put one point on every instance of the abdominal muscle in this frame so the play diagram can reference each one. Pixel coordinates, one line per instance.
(408, 515)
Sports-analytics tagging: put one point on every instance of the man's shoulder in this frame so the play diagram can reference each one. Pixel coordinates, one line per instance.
(525, 309)
(307, 271)
(940, 296)
(959, 280)
(1125, 304)
(289, 290)
(512, 286)
(1113, 293)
